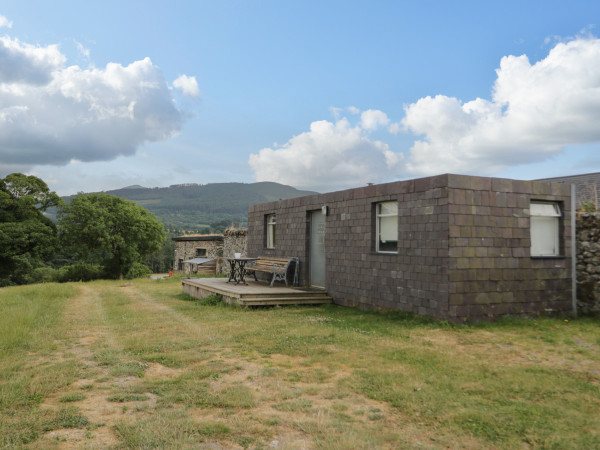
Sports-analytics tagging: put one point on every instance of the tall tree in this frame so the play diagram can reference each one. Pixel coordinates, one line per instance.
(162, 260)
(109, 230)
(27, 237)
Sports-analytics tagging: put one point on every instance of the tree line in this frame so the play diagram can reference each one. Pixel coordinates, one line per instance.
(95, 236)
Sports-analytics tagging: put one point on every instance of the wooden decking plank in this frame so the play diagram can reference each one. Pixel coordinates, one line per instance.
(254, 293)
(278, 295)
(281, 303)
(283, 299)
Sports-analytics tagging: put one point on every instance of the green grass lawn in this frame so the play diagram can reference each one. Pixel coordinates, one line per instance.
(107, 365)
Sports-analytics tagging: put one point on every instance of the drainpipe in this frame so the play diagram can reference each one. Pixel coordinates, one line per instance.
(573, 250)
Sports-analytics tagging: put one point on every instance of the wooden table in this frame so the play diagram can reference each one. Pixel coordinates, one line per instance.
(236, 269)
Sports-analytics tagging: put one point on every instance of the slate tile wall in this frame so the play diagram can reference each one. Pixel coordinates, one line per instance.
(491, 272)
(415, 279)
(463, 249)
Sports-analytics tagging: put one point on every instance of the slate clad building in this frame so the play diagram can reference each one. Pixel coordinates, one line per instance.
(586, 184)
(451, 246)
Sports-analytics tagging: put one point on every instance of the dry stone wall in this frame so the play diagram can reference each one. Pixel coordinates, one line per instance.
(187, 249)
(588, 263)
(234, 241)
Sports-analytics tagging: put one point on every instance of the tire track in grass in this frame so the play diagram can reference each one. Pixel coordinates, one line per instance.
(88, 330)
(294, 406)
(170, 332)
(146, 303)
(230, 371)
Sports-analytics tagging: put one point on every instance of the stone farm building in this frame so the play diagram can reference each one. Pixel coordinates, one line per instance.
(197, 253)
(450, 246)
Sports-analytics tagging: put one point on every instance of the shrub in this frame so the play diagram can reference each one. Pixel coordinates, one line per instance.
(588, 206)
(211, 300)
(138, 270)
(81, 272)
(44, 275)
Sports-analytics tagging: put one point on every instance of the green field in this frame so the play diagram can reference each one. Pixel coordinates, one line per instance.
(113, 365)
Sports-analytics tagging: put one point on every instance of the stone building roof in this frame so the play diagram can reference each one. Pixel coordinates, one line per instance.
(587, 186)
(199, 237)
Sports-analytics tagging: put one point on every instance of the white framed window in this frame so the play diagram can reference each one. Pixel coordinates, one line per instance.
(271, 230)
(387, 227)
(200, 252)
(545, 228)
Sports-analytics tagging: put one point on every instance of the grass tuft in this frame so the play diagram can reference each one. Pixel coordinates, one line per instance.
(72, 397)
(122, 398)
(68, 417)
(211, 300)
(129, 369)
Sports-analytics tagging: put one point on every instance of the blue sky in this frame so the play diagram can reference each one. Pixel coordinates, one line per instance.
(319, 95)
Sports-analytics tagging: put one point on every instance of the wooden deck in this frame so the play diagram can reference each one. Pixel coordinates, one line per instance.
(253, 294)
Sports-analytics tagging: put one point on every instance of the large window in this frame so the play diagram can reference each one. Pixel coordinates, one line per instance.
(271, 228)
(387, 227)
(545, 221)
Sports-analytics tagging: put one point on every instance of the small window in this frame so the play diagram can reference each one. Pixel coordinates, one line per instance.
(271, 228)
(545, 221)
(200, 252)
(387, 227)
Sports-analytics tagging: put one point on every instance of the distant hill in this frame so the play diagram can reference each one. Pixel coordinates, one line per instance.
(134, 186)
(190, 207)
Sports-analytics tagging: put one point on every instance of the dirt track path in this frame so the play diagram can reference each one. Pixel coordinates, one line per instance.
(91, 334)
(88, 330)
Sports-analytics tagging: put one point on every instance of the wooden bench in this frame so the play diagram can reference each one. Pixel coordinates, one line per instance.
(276, 266)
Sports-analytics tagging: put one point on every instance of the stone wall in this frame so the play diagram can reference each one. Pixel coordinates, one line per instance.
(588, 263)
(235, 240)
(186, 248)
(463, 250)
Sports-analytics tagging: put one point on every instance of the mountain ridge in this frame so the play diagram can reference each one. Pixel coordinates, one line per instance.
(193, 207)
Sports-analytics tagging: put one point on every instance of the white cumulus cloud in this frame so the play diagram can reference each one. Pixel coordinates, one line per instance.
(535, 111)
(5, 23)
(51, 113)
(372, 119)
(330, 155)
(25, 63)
(187, 85)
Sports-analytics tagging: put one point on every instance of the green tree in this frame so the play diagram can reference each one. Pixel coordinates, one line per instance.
(162, 260)
(220, 226)
(27, 237)
(105, 229)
